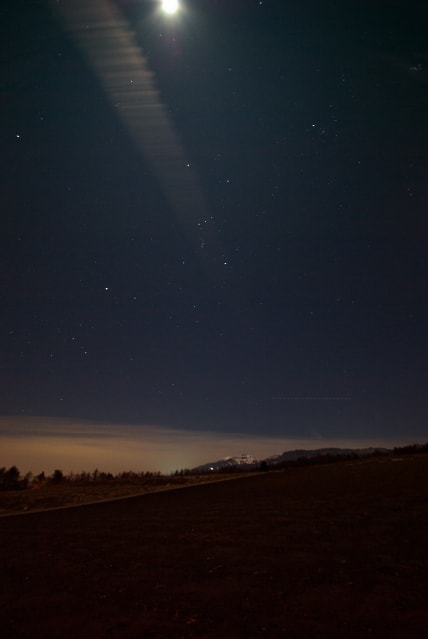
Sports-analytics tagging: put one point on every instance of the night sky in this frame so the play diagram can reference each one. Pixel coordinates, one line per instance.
(216, 220)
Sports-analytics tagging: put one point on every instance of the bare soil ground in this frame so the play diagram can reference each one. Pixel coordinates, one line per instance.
(48, 495)
(317, 552)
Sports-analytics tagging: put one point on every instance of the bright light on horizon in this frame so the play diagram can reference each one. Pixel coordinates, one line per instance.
(45, 443)
(170, 6)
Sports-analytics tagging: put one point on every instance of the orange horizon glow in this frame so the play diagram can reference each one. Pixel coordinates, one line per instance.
(36, 444)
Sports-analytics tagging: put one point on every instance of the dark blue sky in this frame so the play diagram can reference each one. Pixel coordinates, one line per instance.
(253, 258)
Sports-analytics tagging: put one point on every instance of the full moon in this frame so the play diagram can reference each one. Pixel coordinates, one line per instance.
(170, 6)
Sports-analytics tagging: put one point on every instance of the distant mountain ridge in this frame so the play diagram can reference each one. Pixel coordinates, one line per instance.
(248, 462)
(243, 461)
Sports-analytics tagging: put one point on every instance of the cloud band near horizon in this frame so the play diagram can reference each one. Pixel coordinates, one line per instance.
(45, 443)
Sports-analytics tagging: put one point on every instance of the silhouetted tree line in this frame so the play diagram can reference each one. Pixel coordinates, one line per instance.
(330, 458)
(309, 460)
(12, 479)
(412, 449)
(322, 458)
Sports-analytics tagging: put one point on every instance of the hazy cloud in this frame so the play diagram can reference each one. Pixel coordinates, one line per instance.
(46, 443)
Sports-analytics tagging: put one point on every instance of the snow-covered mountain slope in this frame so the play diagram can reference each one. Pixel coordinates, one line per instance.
(249, 462)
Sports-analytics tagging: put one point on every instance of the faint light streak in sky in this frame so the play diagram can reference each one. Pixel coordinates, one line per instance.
(104, 36)
(313, 398)
(108, 43)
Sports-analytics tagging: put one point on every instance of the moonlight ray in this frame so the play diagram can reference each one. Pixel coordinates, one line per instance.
(104, 36)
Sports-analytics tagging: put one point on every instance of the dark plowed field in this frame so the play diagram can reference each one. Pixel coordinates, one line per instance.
(336, 551)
